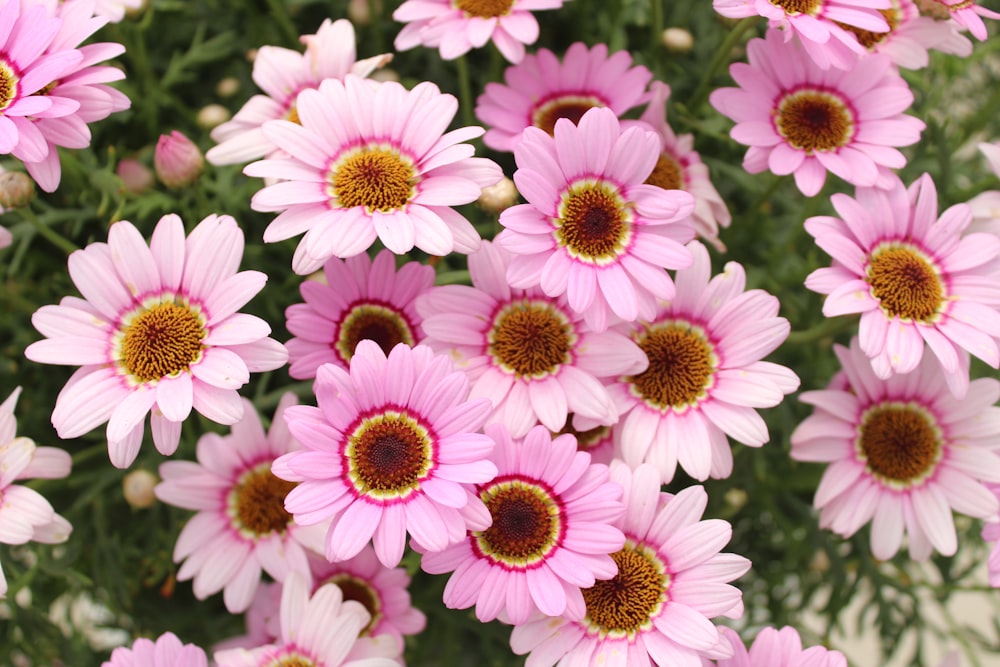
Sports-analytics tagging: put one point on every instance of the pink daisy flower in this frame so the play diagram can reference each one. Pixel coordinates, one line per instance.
(241, 528)
(552, 533)
(969, 15)
(778, 648)
(25, 516)
(705, 376)
(986, 205)
(168, 651)
(671, 581)
(370, 161)
(456, 26)
(391, 449)
(798, 118)
(903, 453)
(157, 331)
(541, 90)
(991, 533)
(679, 167)
(592, 229)
(529, 353)
(913, 276)
(360, 299)
(282, 74)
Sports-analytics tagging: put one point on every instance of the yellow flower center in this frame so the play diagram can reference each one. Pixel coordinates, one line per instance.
(293, 660)
(594, 223)
(161, 340)
(257, 503)
(667, 174)
(378, 178)
(531, 339)
(682, 364)
(900, 443)
(572, 107)
(814, 120)
(527, 523)
(905, 282)
(388, 455)
(625, 605)
(8, 85)
(486, 9)
(375, 322)
(793, 7)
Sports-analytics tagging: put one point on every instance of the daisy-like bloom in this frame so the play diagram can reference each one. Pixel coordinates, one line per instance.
(360, 299)
(370, 161)
(241, 528)
(778, 648)
(551, 534)
(903, 453)
(282, 74)
(671, 581)
(991, 533)
(705, 376)
(592, 228)
(967, 14)
(797, 118)
(913, 277)
(25, 516)
(157, 330)
(530, 354)
(318, 630)
(456, 26)
(168, 651)
(824, 27)
(391, 449)
(679, 167)
(541, 90)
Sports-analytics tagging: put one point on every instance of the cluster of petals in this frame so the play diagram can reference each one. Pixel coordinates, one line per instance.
(542, 88)
(672, 581)
(800, 119)
(911, 34)
(166, 651)
(705, 377)
(778, 648)
(535, 560)
(991, 533)
(530, 354)
(969, 15)
(986, 205)
(358, 298)
(391, 449)
(455, 27)
(371, 161)
(914, 277)
(595, 171)
(282, 74)
(157, 332)
(26, 516)
(902, 454)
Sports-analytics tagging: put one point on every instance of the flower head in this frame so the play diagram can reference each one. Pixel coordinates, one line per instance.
(177, 161)
(168, 651)
(969, 15)
(778, 648)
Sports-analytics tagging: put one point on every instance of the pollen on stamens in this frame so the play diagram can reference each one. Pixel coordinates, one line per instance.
(594, 224)
(626, 604)
(8, 85)
(257, 503)
(667, 174)
(375, 177)
(526, 525)
(682, 363)
(161, 340)
(794, 7)
(388, 455)
(814, 120)
(486, 9)
(531, 339)
(900, 443)
(905, 282)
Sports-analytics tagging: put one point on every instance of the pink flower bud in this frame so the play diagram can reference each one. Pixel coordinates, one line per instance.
(178, 162)
(136, 177)
(16, 190)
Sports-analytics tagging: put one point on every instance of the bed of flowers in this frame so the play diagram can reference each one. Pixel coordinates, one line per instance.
(499, 332)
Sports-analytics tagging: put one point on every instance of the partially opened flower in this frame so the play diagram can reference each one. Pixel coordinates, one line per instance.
(902, 454)
(371, 161)
(778, 648)
(800, 119)
(158, 332)
(167, 651)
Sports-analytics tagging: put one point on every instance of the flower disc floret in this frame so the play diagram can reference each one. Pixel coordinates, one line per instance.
(375, 177)
(594, 224)
(531, 338)
(389, 454)
(905, 282)
(814, 120)
(682, 363)
(160, 339)
(626, 604)
(257, 502)
(526, 523)
(900, 443)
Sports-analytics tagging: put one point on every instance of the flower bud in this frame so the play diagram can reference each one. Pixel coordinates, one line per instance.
(136, 177)
(227, 87)
(16, 189)
(498, 196)
(359, 12)
(677, 40)
(212, 115)
(138, 488)
(178, 162)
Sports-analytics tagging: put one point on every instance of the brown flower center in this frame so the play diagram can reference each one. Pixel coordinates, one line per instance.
(681, 366)
(389, 454)
(798, 6)
(527, 523)
(375, 322)
(814, 120)
(900, 442)
(164, 339)
(667, 174)
(593, 225)
(294, 660)
(624, 605)
(905, 282)
(571, 107)
(257, 502)
(374, 177)
(8, 85)
(869, 39)
(359, 590)
(531, 339)
(486, 9)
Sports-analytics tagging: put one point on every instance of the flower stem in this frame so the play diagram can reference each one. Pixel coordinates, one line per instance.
(721, 57)
(53, 236)
(655, 24)
(829, 327)
(464, 90)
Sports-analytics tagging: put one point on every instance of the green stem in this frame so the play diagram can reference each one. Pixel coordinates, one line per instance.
(464, 90)
(721, 57)
(285, 24)
(830, 326)
(655, 24)
(50, 234)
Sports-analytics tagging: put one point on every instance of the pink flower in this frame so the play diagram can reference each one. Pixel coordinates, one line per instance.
(705, 376)
(969, 15)
(991, 533)
(359, 299)
(157, 331)
(168, 651)
(592, 229)
(370, 161)
(913, 276)
(177, 161)
(391, 449)
(529, 353)
(798, 118)
(541, 90)
(456, 26)
(552, 533)
(282, 74)
(910, 36)
(986, 205)
(903, 453)
(779, 648)
(671, 581)
(136, 177)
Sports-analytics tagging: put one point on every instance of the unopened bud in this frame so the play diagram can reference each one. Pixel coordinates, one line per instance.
(138, 487)
(736, 498)
(499, 196)
(677, 40)
(359, 12)
(178, 162)
(212, 115)
(133, 9)
(384, 74)
(227, 87)
(937, 10)
(16, 189)
(136, 177)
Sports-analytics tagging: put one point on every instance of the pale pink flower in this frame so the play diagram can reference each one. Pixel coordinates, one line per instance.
(282, 74)
(986, 205)
(800, 119)
(530, 354)
(991, 533)
(903, 453)
(168, 651)
(911, 35)
(391, 449)
(115, 10)
(914, 277)
(359, 299)
(969, 15)
(592, 228)
(705, 376)
(541, 90)
(178, 162)
(778, 648)
(671, 582)
(456, 26)
(157, 331)
(372, 161)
